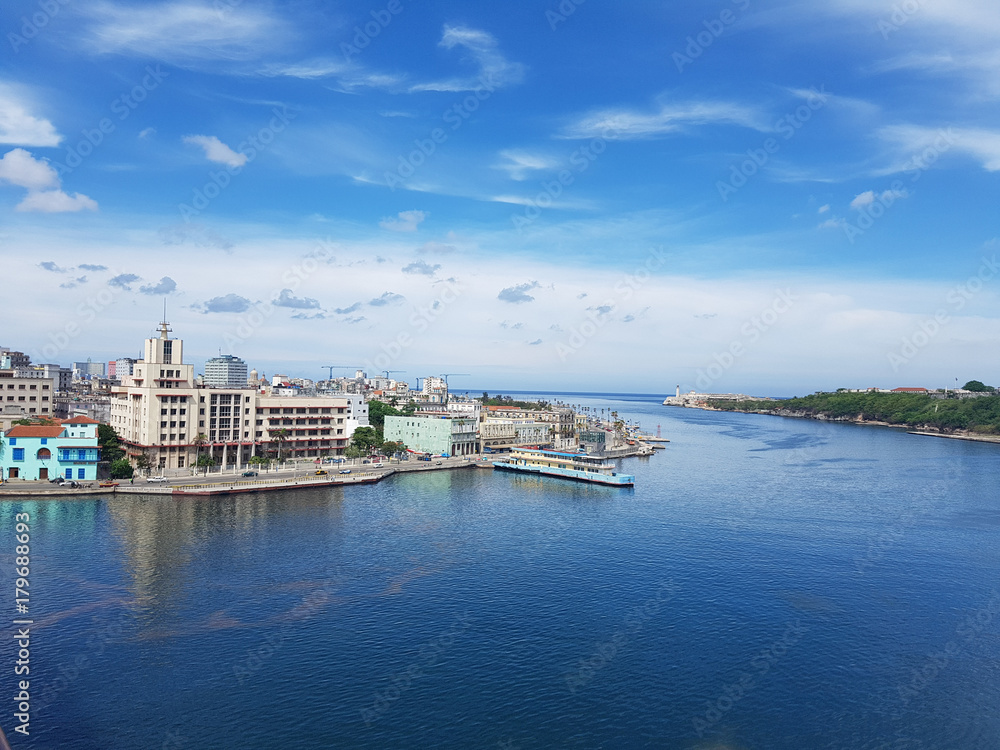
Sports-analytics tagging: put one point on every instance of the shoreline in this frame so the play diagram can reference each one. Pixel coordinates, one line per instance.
(958, 435)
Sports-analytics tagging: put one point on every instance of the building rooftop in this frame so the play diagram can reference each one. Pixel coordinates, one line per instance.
(35, 431)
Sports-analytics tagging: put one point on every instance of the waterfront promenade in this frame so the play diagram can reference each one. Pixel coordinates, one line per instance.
(223, 484)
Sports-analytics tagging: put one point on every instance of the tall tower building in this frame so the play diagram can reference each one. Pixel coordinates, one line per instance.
(226, 371)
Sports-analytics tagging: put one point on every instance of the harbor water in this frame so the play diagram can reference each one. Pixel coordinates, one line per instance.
(768, 584)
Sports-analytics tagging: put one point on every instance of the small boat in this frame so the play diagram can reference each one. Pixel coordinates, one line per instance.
(577, 466)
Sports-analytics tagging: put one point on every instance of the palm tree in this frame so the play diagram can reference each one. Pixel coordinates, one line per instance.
(199, 440)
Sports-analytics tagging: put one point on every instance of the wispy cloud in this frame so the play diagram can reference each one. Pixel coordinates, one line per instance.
(387, 298)
(49, 265)
(166, 285)
(494, 69)
(124, 281)
(666, 119)
(518, 294)
(230, 303)
(216, 150)
(405, 221)
(421, 267)
(183, 33)
(520, 164)
(287, 299)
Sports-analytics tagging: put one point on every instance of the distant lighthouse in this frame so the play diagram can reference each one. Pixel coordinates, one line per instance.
(678, 391)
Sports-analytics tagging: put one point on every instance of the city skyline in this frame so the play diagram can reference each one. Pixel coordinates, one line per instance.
(547, 195)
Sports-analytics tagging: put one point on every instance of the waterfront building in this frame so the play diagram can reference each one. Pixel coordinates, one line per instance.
(25, 398)
(161, 410)
(225, 371)
(439, 433)
(46, 451)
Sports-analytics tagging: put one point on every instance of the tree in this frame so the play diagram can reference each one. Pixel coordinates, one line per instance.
(199, 441)
(365, 439)
(352, 452)
(260, 461)
(279, 438)
(144, 462)
(392, 447)
(122, 469)
(111, 450)
(407, 411)
(205, 461)
(977, 386)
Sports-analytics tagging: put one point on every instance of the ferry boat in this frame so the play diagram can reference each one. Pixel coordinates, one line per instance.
(576, 466)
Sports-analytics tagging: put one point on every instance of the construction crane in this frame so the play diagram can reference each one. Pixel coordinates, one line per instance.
(331, 368)
(386, 372)
(453, 374)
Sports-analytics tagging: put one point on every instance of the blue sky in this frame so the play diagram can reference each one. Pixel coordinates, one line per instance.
(764, 196)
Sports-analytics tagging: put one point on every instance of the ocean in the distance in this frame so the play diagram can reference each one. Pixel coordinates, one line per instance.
(768, 584)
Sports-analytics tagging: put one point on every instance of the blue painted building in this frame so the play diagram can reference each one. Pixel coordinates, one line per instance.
(47, 451)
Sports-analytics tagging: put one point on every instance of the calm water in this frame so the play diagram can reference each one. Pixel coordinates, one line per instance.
(767, 584)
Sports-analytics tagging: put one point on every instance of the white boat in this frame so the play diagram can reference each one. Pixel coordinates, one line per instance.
(577, 466)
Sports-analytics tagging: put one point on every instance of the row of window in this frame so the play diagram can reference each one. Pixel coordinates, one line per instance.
(30, 398)
(22, 386)
(17, 454)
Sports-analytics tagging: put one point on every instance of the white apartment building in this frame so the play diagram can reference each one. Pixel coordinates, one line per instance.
(160, 409)
(225, 371)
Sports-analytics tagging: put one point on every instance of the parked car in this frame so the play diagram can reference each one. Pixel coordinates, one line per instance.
(366, 461)
(156, 479)
(249, 473)
(56, 480)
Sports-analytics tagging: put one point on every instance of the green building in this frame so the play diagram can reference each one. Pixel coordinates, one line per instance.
(456, 436)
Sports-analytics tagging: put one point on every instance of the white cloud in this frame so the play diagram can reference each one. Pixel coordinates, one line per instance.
(146, 133)
(56, 201)
(925, 145)
(18, 126)
(519, 164)
(628, 124)
(216, 150)
(18, 167)
(405, 221)
(824, 209)
(494, 69)
(863, 199)
(183, 33)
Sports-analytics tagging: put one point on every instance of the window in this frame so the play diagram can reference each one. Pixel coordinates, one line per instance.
(81, 455)
(81, 473)
(18, 454)
(45, 441)
(180, 462)
(69, 473)
(163, 412)
(65, 455)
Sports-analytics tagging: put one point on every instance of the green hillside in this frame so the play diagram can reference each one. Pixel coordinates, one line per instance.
(977, 415)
